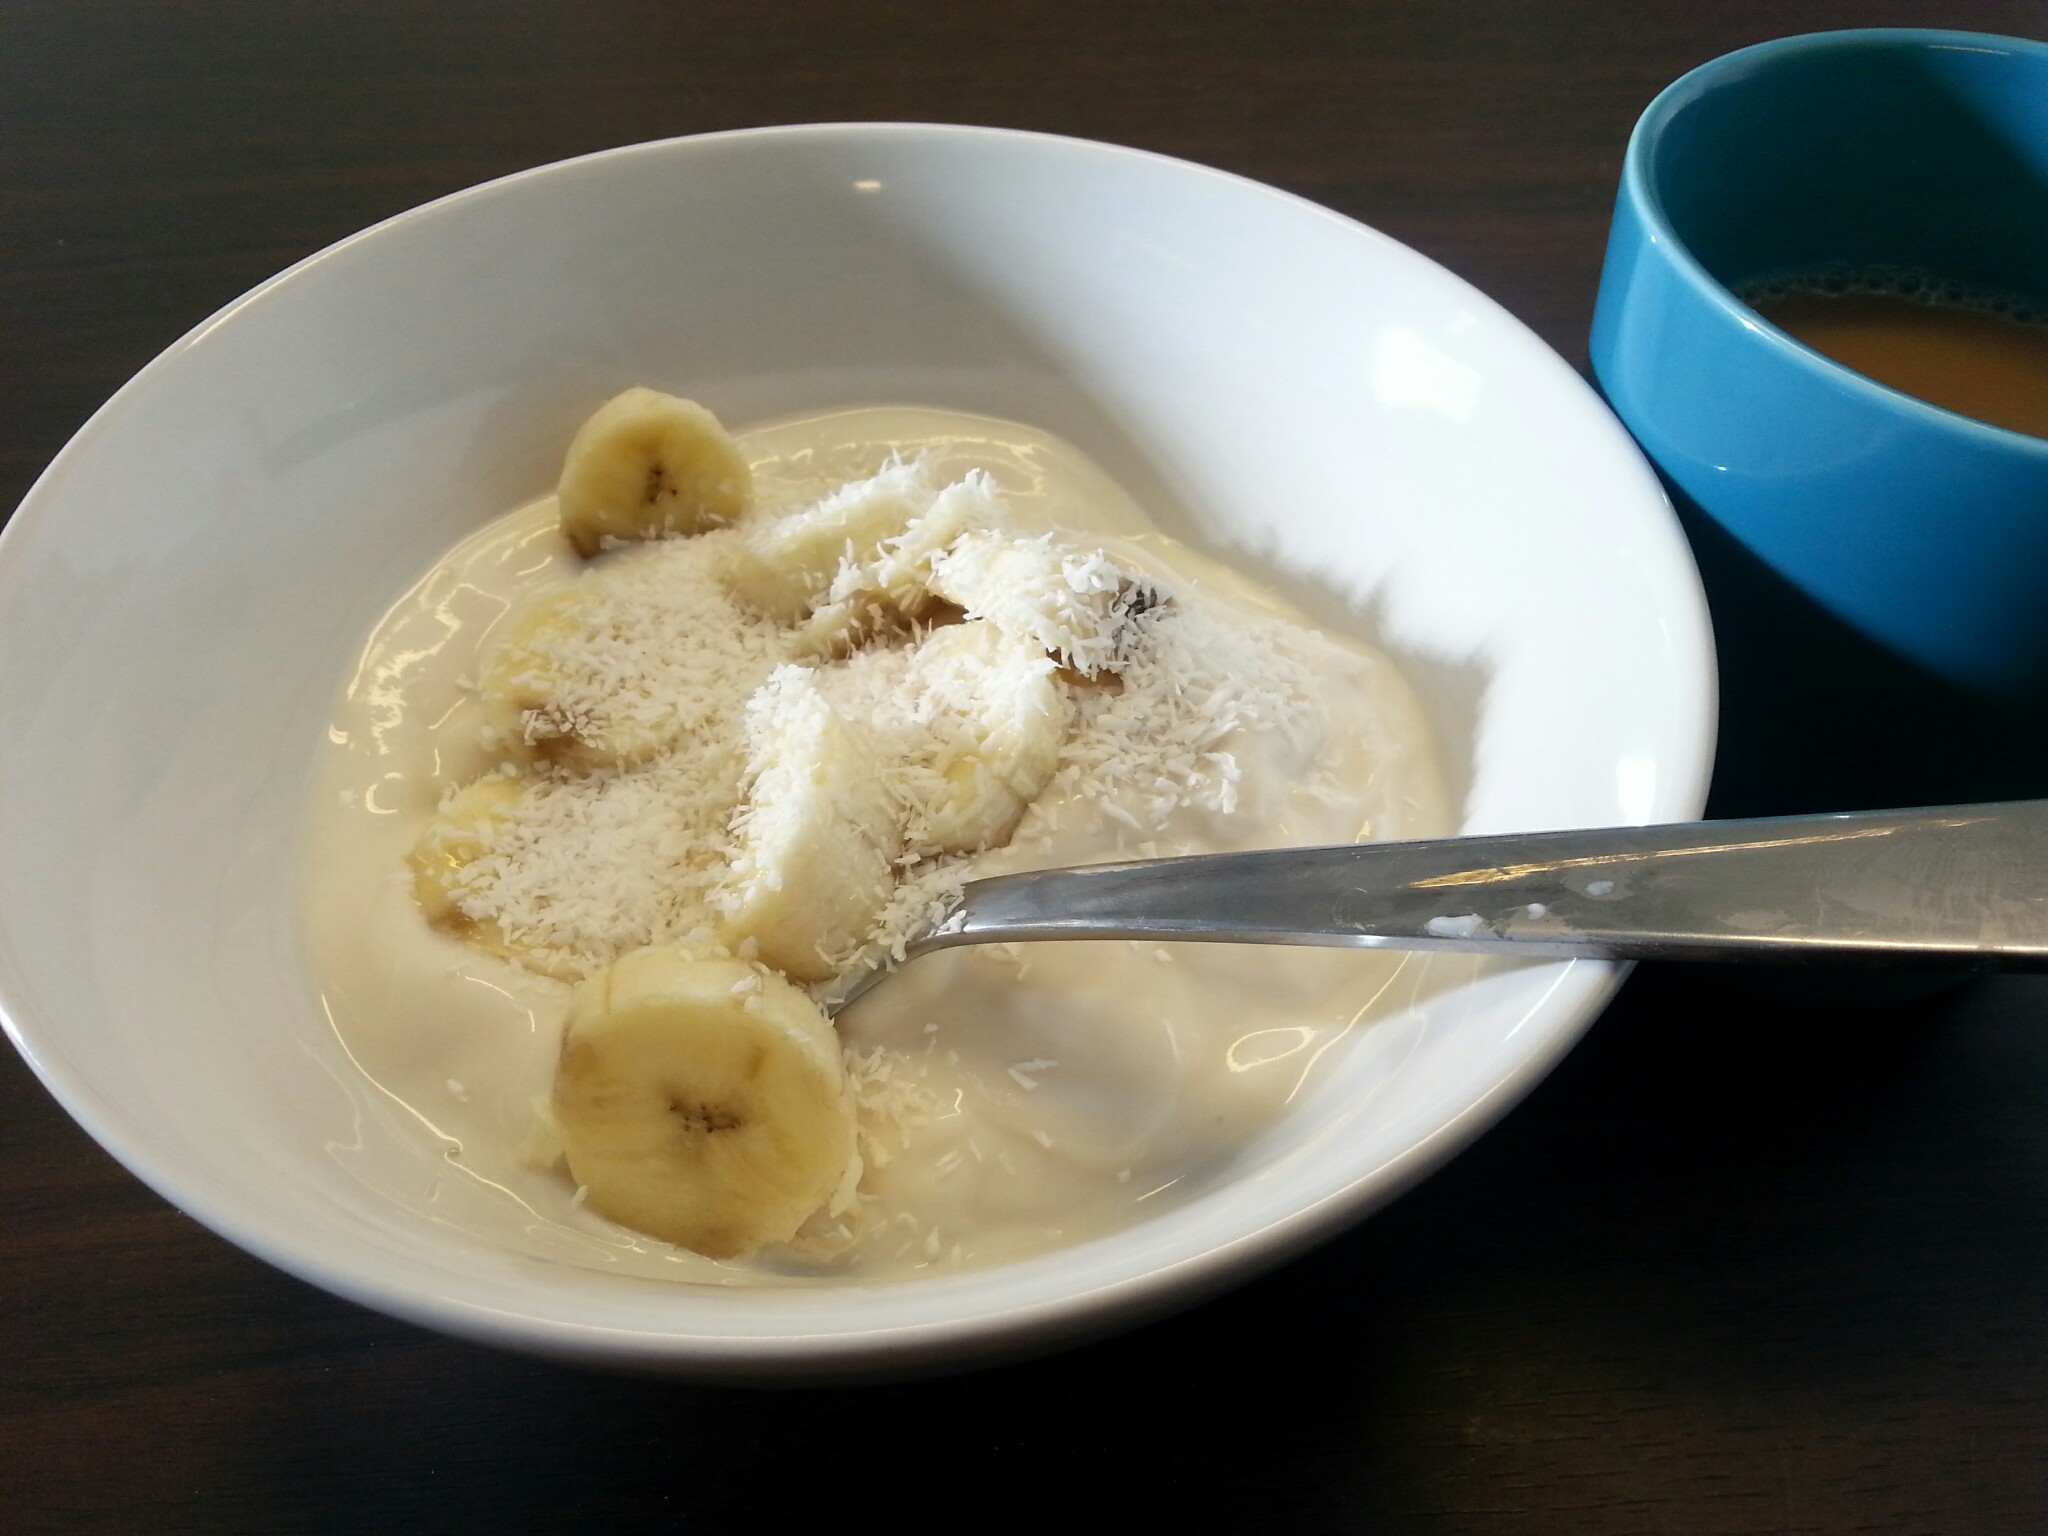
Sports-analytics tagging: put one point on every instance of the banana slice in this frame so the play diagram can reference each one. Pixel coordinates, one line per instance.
(839, 629)
(818, 832)
(463, 831)
(785, 566)
(545, 696)
(647, 464)
(902, 572)
(460, 834)
(999, 719)
(1077, 606)
(703, 1101)
(893, 590)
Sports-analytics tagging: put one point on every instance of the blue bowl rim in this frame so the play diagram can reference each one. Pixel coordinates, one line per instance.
(1638, 189)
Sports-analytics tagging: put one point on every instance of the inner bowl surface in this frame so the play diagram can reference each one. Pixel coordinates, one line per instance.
(183, 591)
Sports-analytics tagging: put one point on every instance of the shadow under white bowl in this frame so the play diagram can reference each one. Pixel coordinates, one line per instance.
(182, 591)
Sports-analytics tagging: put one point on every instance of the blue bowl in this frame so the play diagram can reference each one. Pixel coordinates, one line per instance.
(1878, 566)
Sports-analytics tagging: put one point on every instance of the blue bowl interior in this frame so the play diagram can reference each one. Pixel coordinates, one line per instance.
(1851, 152)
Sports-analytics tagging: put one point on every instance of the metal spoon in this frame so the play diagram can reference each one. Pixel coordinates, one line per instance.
(1961, 886)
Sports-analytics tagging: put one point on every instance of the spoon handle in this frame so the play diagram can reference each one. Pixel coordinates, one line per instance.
(1961, 886)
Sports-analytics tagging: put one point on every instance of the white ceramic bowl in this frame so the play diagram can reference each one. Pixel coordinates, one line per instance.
(181, 593)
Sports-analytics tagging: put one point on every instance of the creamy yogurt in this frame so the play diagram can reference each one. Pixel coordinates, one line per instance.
(1014, 1099)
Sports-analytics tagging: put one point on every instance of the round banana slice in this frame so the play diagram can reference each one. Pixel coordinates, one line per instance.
(903, 570)
(703, 1101)
(818, 832)
(1076, 605)
(858, 564)
(648, 464)
(459, 835)
(546, 697)
(999, 719)
(462, 832)
(784, 566)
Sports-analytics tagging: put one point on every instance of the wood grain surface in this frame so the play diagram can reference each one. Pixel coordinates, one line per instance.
(1738, 1266)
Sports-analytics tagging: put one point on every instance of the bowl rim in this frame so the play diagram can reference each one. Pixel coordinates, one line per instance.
(1576, 993)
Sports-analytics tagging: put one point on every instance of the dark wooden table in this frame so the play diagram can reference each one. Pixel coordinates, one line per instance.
(1738, 1266)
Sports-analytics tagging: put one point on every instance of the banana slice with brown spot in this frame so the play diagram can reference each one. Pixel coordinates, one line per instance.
(785, 566)
(703, 1101)
(547, 697)
(1076, 605)
(857, 566)
(648, 464)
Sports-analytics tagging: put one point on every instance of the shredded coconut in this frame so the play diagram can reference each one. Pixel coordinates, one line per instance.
(646, 714)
